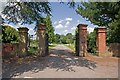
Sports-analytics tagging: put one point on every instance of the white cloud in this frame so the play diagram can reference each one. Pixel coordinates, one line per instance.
(68, 19)
(31, 29)
(73, 28)
(31, 32)
(90, 29)
(60, 21)
(59, 26)
(14, 26)
(78, 21)
(65, 30)
(95, 26)
(67, 23)
(55, 23)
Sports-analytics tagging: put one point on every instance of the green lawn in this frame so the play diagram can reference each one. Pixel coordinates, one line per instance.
(52, 46)
(71, 46)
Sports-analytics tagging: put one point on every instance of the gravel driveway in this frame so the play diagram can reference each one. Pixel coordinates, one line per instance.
(62, 63)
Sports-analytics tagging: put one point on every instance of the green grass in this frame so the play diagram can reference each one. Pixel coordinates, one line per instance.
(71, 46)
(52, 46)
(32, 50)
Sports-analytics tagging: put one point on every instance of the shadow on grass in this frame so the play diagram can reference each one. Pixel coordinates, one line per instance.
(60, 60)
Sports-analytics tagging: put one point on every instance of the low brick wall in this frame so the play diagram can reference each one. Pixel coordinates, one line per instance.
(115, 49)
(9, 50)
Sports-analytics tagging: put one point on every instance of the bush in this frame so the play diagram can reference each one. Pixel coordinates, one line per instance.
(91, 40)
(9, 34)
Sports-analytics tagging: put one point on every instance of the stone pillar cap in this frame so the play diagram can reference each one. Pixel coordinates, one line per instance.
(42, 26)
(101, 29)
(25, 29)
(82, 26)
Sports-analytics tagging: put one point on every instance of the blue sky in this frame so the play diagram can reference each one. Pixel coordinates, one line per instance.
(64, 20)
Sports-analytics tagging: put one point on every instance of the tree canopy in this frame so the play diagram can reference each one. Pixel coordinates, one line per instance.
(49, 29)
(65, 39)
(113, 34)
(9, 34)
(26, 12)
(103, 14)
(91, 42)
(99, 13)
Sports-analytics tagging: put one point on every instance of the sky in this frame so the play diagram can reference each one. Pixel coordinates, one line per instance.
(64, 20)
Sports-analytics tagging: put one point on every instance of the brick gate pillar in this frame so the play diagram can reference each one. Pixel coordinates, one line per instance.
(41, 34)
(82, 32)
(101, 41)
(23, 42)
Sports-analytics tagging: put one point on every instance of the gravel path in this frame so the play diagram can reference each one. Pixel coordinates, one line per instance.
(61, 63)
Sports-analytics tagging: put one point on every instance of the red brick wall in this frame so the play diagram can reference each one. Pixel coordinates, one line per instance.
(9, 50)
(115, 49)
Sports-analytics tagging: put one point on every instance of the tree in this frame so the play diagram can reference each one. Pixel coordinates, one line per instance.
(63, 39)
(26, 12)
(99, 13)
(57, 38)
(113, 34)
(0, 34)
(49, 29)
(70, 38)
(103, 14)
(9, 34)
(91, 42)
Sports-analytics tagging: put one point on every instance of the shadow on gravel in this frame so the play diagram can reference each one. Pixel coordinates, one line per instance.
(61, 60)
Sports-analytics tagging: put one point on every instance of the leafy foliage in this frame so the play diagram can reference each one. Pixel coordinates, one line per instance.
(64, 39)
(70, 38)
(33, 47)
(26, 12)
(49, 29)
(99, 13)
(9, 34)
(57, 38)
(103, 14)
(91, 42)
(114, 31)
(0, 33)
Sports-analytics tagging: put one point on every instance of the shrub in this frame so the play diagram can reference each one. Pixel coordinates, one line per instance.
(9, 34)
(91, 40)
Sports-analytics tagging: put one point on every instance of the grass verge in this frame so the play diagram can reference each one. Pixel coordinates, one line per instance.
(52, 46)
(71, 46)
